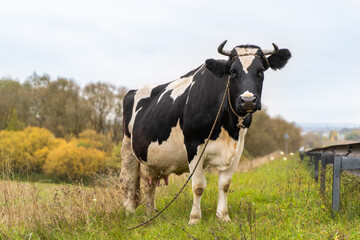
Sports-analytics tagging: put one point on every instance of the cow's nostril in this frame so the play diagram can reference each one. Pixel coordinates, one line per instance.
(242, 100)
(254, 100)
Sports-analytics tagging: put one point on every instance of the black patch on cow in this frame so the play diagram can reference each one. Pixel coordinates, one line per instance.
(127, 111)
(200, 112)
(279, 60)
(192, 72)
(155, 119)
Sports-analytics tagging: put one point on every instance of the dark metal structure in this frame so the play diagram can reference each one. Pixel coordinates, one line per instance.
(343, 158)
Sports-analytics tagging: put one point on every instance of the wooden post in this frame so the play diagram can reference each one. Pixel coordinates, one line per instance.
(336, 184)
(323, 173)
(316, 168)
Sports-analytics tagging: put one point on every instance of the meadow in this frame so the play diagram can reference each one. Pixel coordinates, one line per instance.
(279, 200)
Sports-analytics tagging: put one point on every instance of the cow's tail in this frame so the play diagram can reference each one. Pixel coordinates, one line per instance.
(129, 176)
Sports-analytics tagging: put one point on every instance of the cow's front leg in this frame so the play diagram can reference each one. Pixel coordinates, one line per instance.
(223, 187)
(198, 187)
(225, 177)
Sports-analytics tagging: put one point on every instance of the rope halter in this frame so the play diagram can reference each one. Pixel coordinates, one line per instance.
(240, 118)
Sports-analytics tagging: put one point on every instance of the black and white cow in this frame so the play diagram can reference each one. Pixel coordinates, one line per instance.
(166, 126)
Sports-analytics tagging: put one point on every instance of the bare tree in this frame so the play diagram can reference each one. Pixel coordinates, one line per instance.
(63, 110)
(10, 95)
(34, 98)
(116, 126)
(100, 97)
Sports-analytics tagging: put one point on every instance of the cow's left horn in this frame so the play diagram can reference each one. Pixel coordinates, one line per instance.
(271, 51)
(222, 51)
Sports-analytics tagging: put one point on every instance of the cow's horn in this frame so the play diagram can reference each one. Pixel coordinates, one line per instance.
(271, 51)
(222, 51)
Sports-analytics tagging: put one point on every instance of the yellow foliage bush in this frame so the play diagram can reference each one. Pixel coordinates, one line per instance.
(89, 138)
(74, 161)
(26, 150)
(36, 150)
(114, 160)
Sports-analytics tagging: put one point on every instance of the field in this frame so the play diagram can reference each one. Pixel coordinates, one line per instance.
(278, 200)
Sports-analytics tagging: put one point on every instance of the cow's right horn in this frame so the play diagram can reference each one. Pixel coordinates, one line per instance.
(271, 51)
(222, 51)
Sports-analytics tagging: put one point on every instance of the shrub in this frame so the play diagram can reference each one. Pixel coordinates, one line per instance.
(89, 138)
(74, 161)
(114, 161)
(36, 150)
(26, 150)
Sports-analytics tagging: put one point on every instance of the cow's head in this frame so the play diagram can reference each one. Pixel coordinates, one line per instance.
(245, 67)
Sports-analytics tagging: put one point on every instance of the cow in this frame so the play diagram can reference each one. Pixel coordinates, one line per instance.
(165, 126)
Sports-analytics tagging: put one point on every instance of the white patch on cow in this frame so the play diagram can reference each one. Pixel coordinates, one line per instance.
(170, 156)
(247, 94)
(246, 61)
(178, 86)
(187, 98)
(223, 151)
(141, 93)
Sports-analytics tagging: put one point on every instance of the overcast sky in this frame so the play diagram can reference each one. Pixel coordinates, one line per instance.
(132, 43)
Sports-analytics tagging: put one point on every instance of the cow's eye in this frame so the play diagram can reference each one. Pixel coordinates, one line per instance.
(233, 73)
(260, 74)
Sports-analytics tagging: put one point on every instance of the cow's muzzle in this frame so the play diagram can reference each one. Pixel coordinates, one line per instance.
(248, 104)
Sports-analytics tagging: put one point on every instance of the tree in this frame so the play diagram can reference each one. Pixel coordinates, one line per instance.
(61, 106)
(116, 126)
(312, 140)
(101, 99)
(281, 127)
(14, 123)
(333, 136)
(10, 99)
(34, 97)
(260, 138)
(353, 135)
(266, 135)
(64, 111)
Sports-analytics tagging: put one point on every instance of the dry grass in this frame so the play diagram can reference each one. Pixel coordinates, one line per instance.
(29, 206)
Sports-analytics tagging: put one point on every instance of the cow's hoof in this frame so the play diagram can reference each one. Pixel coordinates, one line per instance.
(151, 210)
(224, 218)
(129, 212)
(194, 221)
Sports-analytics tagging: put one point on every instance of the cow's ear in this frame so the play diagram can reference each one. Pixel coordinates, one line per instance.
(218, 68)
(279, 59)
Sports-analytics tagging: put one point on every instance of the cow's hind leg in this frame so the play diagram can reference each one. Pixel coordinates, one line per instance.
(149, 187)
(150, 199)
(129, 176)
(198, 187)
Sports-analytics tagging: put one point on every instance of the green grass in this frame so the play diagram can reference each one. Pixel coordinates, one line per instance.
(279, 200)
